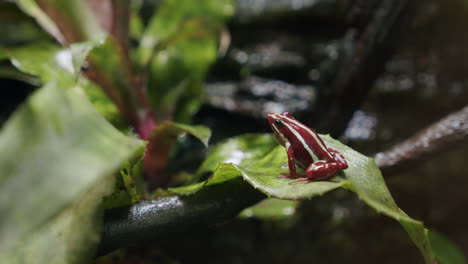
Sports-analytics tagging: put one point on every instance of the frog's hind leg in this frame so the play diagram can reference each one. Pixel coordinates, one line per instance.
(338, 157)
(322, 170)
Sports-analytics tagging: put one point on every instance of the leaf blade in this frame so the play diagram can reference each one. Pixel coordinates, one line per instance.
(64, 147)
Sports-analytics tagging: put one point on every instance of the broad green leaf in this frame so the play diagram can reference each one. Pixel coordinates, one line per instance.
(264, 176)
(223, 173)
(47, 61)
(169, 18)
(362, 177)
(58, 158)
(241, 150)
(17, 27)
(31, 8)
(62, 65)
(271, 208)
(68, 21)
(178, 46)
(444, 249)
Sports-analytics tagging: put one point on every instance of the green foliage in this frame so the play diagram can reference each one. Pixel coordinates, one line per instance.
(55, 62)
(63, 66)
(31, 8)
(362, 177)
(160, 143)
(60, 157)
(271, 208)
(177, 47)
(445, 250)
(57, 164)
(169, 131)
(75, 16)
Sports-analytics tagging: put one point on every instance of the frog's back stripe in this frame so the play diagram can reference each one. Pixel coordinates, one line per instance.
(305, 134)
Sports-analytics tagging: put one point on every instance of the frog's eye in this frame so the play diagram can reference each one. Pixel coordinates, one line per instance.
(278, 122)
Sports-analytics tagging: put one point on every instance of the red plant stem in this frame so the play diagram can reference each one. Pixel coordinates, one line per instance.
(117, 80)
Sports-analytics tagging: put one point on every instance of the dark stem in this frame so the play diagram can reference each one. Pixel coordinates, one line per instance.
(148, 221)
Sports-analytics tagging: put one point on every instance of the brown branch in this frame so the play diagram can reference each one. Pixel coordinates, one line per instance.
(434, 139)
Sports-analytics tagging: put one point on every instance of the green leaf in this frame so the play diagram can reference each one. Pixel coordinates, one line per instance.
(80, 51)
(58, 158)
(160, 143)
(47, 61)
(129, 187)
(262, 171)
(31, 8)
(171, 15)
(111, 69)
(68, 21)
(271, 209)
(17, 27)
(444, 249)
(178, 46)
(62, 65)
(240, 150)
(260, 175)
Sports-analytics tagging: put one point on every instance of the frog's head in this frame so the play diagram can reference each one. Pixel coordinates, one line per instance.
(278, 123)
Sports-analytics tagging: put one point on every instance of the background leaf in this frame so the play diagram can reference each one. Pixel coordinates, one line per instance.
(55, 62)
(160, 143)
(31, 8)
(271, 208)
(177, 48)
(68, 21)
(56, 150)
(64, 66)
(444, 249)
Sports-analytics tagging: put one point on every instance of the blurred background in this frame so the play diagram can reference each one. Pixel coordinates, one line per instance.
(370, 72)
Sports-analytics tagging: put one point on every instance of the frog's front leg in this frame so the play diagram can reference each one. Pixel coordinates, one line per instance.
(291, 164)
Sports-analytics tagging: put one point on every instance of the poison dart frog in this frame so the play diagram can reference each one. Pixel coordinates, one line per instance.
(303, 145)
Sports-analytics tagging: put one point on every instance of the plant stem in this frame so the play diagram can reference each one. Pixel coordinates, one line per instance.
(147, 221)
(431, 140)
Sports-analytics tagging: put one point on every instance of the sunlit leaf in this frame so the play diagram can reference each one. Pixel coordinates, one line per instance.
(58, 158)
